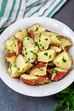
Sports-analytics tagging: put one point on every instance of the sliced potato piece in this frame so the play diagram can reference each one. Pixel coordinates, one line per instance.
(27, 41)
(63, 60)
(18, 46)
(9, 45)
(39, 71)
(11, 57)
(58, 74)
(21, 34)
(57, 49)
(43, 41)
(21, 64)
(30, 53)
(46, 56)
(34, 80)
(55, 39)
(65, 43)
(12, 70)
(36, 28)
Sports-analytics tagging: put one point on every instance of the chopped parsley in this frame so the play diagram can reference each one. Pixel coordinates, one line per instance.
(37, 67)
(14, 36)
(18, 69)
(26, 53)
(39, 40)
(63, 59)
(28, 59)
(49, 56)
(54, 71)
(25, 49)
(8, 50)
(28, 38)
(33, 53)
(46, 54)
(57, 37)
(46, 39)
(40, 35)
(36, 29)
(20, 30)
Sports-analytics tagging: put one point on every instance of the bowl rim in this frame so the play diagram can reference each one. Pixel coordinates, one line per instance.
(37, 95)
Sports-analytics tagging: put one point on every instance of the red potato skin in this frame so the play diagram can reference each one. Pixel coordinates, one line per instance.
(20, 46)
(31, 34)
(47, 30)
(59, 75)
(40, 80)
(39, 64)
(11, 55)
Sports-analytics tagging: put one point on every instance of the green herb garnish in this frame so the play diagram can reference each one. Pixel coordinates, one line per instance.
(20, 30)
(40, 35)
(28, 38)
(26, 53)
(49, 56)
(63, 59)
(46, 54)
(57, 37)
(66, 99)
(54, 71)
(46, 39)
(33, 53)
(39, 40)
(18, 69)
(8, 50)
(36, 29)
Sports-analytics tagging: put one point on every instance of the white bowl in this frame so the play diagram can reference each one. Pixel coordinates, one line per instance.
(18, 85)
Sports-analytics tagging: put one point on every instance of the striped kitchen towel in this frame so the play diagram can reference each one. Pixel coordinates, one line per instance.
(12, 10)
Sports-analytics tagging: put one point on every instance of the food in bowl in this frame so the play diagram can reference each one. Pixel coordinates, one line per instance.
(38, 56)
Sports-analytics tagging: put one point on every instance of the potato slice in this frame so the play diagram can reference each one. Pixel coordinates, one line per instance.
(12, 70)
(58, 74)
(55, 39)
(43, 41)
(27, 41)
(30, 53)
(21, 34)
(36, 28)
(18, 46)
(65, 43)
(9, 45)
(57, 49)
(63, 60)
(34, 80)
(39, 69)
(46, 56)
(21, 64)
(11, 57)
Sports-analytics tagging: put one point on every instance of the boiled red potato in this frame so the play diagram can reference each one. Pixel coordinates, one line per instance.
(21, 34)
(18, 46)
(49, 33)
(65, 43)
(21, 64)
(11, 57)
(46, 56)
(39, 69)
(35, 80)
(35, 29)
(63, 60)
(13, 72)
(58, 74)
(9, 45)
